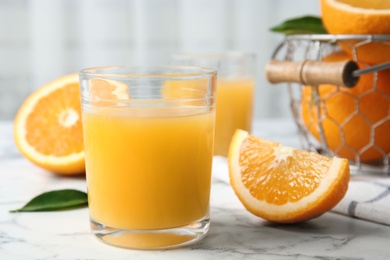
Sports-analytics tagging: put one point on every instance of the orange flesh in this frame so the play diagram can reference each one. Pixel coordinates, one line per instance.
(300, 176)
(54, 140)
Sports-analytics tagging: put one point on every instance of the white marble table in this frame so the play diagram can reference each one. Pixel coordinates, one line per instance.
(234, 233)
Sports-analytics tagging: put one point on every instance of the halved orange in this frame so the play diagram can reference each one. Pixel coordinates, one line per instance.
(47, 127)
(283, 184)
(359, 17)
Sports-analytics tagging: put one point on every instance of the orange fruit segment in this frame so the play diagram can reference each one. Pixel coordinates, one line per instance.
(355, 121)
(283, 184)
(359, 17)
(47, 127)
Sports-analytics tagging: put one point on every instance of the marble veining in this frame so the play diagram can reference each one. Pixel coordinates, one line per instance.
(234, 234)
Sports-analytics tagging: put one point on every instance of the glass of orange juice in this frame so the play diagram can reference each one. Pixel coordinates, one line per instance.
(235, 91)
(149, 137)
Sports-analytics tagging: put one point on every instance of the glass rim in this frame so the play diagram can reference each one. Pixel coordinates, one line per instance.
(338, 37)
(177, 71)
(215, 55)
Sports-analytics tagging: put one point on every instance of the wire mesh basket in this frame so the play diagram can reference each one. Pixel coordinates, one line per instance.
(334, 120)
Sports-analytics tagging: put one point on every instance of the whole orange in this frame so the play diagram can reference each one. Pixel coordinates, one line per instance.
(355, 121)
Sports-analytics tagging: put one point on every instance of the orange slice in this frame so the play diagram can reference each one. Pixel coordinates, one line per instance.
(47, 127)
(359, 17)
(283, 184)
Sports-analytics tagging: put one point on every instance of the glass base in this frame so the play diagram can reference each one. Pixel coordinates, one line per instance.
(152, 239)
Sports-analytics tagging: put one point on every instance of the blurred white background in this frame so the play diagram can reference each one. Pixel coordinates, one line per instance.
(41, 40)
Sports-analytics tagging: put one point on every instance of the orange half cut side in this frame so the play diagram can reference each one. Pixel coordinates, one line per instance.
(47, 127)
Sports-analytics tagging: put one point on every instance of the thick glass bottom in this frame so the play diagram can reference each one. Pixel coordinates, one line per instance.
(152, 239)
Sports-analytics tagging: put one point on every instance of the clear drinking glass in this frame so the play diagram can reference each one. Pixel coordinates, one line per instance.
(149, 136)
(235, 92)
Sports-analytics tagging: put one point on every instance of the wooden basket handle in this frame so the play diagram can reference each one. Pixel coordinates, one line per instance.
(311, 72)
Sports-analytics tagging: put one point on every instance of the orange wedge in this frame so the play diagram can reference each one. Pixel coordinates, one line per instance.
(283, 184)
(47, 127)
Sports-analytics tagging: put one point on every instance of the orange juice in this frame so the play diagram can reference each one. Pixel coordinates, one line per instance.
(234, 110)
(148, 169)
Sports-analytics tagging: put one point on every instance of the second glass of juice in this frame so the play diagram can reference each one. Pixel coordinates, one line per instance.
(235, 92)
(149, 135)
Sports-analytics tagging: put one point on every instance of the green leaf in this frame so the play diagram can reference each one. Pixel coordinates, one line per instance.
(301, 25)
(55, 200)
